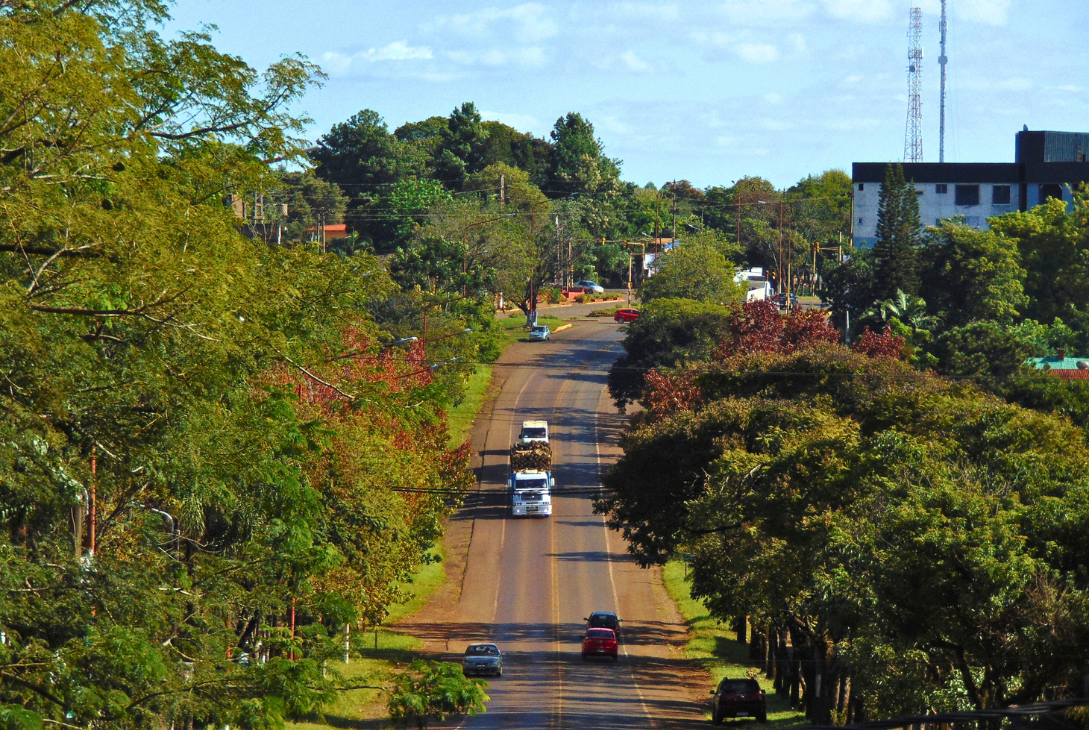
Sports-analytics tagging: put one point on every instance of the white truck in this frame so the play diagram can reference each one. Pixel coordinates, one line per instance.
(531, 479)
(531, 493)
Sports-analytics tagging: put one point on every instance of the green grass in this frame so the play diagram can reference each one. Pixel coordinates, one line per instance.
(461, 416)
(715, 647)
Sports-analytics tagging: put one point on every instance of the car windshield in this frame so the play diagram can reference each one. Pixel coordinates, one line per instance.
(536, 483)
(538, 328)
(482, 650)
(739, 686)
(599, 634)
(533, 433)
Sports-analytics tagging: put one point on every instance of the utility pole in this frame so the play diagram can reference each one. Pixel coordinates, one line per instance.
(502, 191)
(674, 190)
(779, 272)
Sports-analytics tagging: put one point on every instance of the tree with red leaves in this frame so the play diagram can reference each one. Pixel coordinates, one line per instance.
(669, 393)
(759, 327)
(882, 344)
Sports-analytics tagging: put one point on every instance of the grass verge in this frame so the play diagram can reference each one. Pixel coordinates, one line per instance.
(379, 653)
(460, 418)
(715, 647)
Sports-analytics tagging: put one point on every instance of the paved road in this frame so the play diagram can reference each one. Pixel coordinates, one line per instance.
(529, 582)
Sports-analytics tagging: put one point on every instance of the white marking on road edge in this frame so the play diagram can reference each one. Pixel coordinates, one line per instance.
(612, 579)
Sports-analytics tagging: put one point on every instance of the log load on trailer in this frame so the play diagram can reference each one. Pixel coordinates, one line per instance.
(535, 455)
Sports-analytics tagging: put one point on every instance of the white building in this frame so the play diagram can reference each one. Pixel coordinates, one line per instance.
(1048, 165)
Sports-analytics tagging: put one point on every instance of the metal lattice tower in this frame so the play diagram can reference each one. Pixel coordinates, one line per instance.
(913, 139)
(943, 60)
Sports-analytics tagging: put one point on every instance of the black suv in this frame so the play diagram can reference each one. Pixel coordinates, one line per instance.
(604, 620)
(738, 698)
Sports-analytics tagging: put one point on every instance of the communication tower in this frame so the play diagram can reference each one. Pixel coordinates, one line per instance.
(943, 60)
(913, 139)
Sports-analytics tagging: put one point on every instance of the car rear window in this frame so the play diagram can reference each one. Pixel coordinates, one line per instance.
(600, 634)
(482, 650)
(739, 685)
(602, 619)
(533, 433)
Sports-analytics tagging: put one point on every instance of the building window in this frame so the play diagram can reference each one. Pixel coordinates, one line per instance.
(1000, 195)
(974, 221)
(859, 221)
(967, 195)
(1047, 192)
(862, 186)
(919, 192)
(941, 189)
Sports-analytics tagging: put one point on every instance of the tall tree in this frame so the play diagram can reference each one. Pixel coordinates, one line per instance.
(578, 164)
(899, 234)
(461, 152)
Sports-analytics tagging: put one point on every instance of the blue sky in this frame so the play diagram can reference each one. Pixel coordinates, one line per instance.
(708, 91)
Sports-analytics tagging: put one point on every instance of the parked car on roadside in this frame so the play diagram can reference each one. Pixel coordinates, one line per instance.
(482, 659)
(599, 643)
(738, 698)
(626, 315)
(591, 287)
(540, 333)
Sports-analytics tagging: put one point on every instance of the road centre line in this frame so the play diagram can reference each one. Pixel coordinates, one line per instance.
(612, 579)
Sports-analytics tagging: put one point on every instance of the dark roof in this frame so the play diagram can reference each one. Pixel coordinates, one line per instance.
(976, 172)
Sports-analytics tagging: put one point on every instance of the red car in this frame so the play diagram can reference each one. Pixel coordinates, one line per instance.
(626, 315)
(599, 642)
(738, 698)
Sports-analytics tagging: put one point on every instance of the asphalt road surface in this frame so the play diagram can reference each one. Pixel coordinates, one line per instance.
(530, 582)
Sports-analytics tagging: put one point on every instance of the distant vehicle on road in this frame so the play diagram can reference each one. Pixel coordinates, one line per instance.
(482, 659)
(591, 287)
(626, 315)
(534, 431)
(599, 642)
(604, 620)
(738, 698)
(540, 333)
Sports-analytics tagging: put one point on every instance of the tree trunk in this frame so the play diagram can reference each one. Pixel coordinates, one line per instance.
(741, 629)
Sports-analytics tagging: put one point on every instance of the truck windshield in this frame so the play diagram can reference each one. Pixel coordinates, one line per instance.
(538, 483)
(533, 433)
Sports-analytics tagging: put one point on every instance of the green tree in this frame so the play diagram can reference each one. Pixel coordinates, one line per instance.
(895, 264)
(578, 164)
(435, 691)
(970, 275)
(695, 270)
(202, 448)
(309, 200)
(668, 333)
(461, 152)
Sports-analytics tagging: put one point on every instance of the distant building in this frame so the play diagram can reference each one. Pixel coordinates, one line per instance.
(1048, 165)
(1067, 368)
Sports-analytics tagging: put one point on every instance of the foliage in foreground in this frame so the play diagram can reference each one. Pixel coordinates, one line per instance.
(434, 691)
(922, 543)
(210, 458)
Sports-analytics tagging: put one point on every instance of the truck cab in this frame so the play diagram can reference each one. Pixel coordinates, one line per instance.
(534, 432)
(531, 493)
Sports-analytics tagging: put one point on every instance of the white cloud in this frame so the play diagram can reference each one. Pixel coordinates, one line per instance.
(521, 122)
(531, 21)
(633, 61)
(862, 11)
(396, 51)
(339, 63)
(798, 41)
(773, 98)
(757, 52)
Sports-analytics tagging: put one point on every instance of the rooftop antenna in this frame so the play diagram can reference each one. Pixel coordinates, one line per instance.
(913, 139)
(943, 60)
